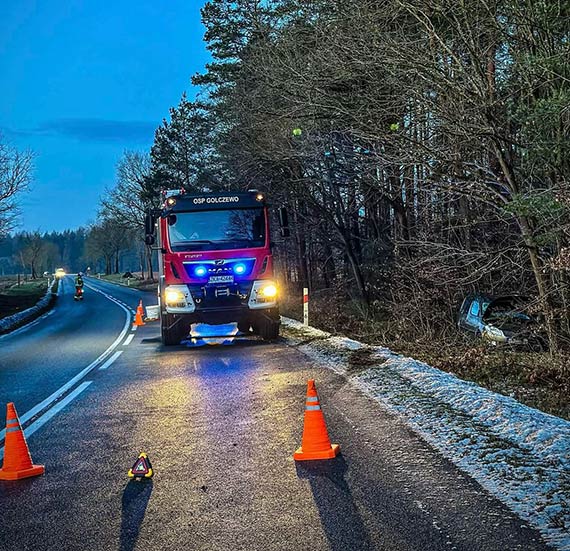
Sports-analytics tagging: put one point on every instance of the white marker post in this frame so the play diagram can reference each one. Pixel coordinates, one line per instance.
(305, 306)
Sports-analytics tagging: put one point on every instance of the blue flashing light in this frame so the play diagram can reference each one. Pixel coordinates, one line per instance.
(239, 269)
(200, 271)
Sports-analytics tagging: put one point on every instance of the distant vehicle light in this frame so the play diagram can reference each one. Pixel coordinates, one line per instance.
(269, 291)
(171, 201)
(239, 268)
(60, 272)
(259, 197)
(200, 271)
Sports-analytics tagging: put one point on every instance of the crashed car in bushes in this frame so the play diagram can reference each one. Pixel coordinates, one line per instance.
(503, 319)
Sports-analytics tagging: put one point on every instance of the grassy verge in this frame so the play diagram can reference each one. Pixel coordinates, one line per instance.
(15, 298)
(7, 281)
(532, 378)
(135, 283)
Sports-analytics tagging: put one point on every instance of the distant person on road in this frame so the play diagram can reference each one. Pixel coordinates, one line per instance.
(79, 281)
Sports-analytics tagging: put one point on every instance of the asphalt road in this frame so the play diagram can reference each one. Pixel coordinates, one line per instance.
(220, 425)
(37, 359)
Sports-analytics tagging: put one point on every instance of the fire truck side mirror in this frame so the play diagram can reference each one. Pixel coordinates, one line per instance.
(149, 225)
(284, 222)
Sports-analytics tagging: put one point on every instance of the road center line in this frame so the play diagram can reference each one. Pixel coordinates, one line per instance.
(129, 339)
(41, 421)
(111, 360)
(62, 390)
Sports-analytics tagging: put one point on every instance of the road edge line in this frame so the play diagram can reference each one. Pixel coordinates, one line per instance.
(52, 412)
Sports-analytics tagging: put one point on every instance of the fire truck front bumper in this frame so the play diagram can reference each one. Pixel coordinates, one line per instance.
(209, 299)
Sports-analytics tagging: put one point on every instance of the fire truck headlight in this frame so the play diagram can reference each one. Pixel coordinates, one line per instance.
(174, 296)
(269, 291)
(239, 268)
(200, 271)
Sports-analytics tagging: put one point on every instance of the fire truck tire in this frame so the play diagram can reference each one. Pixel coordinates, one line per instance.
(268, 330)
(172, 336)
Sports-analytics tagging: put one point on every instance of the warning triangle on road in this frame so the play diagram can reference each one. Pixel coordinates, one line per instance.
(142, 467)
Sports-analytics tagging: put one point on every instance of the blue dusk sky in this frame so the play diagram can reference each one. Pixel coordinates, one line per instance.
(83, 81)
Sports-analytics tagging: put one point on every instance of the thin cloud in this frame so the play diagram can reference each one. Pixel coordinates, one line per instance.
(94, 130)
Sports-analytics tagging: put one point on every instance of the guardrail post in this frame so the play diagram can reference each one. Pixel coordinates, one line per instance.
(305, 306)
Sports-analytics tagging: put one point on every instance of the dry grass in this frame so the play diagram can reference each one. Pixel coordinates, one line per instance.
(136, 282)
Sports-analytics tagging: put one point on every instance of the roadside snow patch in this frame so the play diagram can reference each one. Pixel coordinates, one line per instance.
(19, 319)
(519, 454)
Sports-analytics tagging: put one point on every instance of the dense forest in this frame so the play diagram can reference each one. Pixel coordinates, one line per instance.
(33, 253)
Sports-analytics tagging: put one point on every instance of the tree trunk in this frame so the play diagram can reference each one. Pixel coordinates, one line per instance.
(301, 252)
(360, 285)
(329, 270)
(541, 283)
(142, 263)
(149, 259)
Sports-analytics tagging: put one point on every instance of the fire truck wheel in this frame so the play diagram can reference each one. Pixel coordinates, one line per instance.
(173, 335)
(268, 329)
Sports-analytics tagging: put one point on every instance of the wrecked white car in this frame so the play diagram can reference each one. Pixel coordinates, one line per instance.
(503, 320)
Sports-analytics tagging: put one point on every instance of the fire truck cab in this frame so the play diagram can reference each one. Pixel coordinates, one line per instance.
(215, 263)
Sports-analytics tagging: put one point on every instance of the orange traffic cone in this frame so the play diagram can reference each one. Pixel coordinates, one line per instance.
(315, 443)
(17, 459)
(139, 315)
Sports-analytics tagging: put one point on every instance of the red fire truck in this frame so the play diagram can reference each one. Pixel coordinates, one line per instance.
(215, 263)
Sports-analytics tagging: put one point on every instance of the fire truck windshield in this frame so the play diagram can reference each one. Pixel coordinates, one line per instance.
(216, 229)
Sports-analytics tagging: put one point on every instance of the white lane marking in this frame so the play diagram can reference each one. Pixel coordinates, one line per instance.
(41, 421)
(110, 361)
(129, 339)
(134, 328)
(53, 397)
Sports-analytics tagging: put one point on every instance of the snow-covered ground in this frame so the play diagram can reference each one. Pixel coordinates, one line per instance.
(10, 323)
(519, 454)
